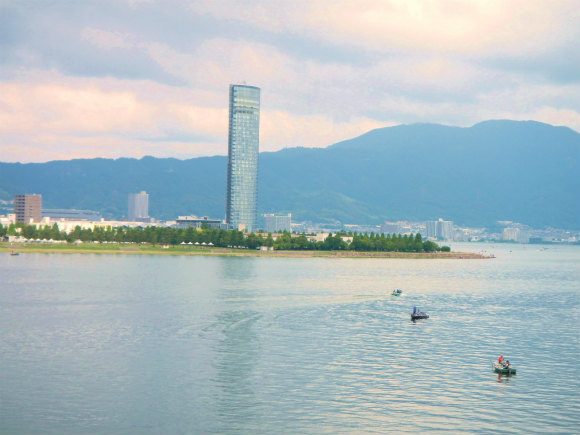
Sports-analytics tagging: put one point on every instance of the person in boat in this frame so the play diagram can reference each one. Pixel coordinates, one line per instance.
(500, 360)
(415, 311)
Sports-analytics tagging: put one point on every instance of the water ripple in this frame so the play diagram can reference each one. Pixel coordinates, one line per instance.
(236, 346)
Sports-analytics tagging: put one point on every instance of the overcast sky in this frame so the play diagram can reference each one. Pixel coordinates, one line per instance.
(103, 78)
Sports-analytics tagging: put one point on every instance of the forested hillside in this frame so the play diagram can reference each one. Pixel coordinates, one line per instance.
(496, 170)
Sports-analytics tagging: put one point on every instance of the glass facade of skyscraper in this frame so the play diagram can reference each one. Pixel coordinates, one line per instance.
(243, 148)
(138, 206)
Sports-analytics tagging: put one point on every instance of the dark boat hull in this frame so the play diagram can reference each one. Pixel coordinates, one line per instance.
(508, 371)
(419, 316)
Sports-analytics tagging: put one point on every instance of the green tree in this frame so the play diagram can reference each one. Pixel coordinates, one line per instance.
(301, 243)
(334, 243)
(55, 233)
(29, 232)
(430, 246)
(253, 241)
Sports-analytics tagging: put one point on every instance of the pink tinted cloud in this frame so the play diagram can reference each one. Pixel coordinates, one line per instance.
(484, 27)
(48, 115)
(83, 118)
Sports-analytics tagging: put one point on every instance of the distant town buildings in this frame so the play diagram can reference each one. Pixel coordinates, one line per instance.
(516, 235)
(243, 148)
(392, 228)
(69, 220)
(138, 206)
(353, 228)
(440, 229)
(278, 223)
(28, 208)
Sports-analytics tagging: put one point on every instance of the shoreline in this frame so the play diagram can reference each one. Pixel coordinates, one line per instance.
(227, 252)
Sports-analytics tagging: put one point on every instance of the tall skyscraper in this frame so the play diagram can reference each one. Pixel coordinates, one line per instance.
(243, 144)
(138, 206)
(28, 208)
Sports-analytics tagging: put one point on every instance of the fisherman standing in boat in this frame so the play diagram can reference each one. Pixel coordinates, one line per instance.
(500, 359)
(415, 311)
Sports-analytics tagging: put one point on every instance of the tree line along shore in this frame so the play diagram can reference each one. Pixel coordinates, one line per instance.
(218, 238)
(187, 250)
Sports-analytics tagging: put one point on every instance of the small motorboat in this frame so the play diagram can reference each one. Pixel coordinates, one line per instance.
(503, 369)
(397, 292)
(419, 315)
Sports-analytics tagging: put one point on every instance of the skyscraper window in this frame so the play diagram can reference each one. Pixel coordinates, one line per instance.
(243, 149)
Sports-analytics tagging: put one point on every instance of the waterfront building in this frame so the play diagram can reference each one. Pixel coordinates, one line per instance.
(510, 234)
(524, 236)
(445, 229)
(243, 148)
(318, 237)
(7, 220)
(28, 208)
(138, 206)
(440, 229)
(516, 235)
(431, 229)
(278, 223)
(195, 222)
(71, 214)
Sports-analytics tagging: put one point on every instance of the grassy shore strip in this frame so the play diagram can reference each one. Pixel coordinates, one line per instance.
(90, 248)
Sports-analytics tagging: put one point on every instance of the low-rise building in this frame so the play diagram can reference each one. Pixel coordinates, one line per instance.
(276, 223)
(198, 222)
(71, 214)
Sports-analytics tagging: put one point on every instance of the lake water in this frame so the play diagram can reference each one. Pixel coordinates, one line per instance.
(113, 344)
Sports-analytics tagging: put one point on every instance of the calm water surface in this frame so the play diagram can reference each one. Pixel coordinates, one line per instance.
(107, 344)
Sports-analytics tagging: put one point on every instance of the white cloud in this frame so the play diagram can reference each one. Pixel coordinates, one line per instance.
(556, 105)
(445, 26)
(218, 61)
(415, 62)
(106, 40)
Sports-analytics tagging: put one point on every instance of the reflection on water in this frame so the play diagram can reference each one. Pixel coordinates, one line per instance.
(246, 345)
(503, 378)
(236, 347)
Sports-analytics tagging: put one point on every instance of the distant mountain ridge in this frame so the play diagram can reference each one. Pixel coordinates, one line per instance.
(526, 172)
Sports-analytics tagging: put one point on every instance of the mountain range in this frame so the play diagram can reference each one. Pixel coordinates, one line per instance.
(522, 171)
